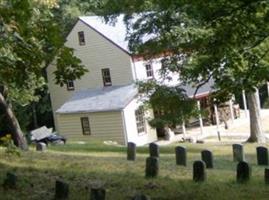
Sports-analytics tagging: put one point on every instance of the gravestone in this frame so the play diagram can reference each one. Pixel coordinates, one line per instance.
(61, 190)
(10, 181)
(199, 173)
(40, 146)
(154, 150)
(181, 156)
(207, 157)
(98, 193)
(262, 155)
(266, 175)
(131, 151)
(243, 172)
(152, 167)
(140, 197)
(238, 152)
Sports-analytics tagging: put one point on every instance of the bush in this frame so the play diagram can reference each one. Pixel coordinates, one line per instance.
(7, 142)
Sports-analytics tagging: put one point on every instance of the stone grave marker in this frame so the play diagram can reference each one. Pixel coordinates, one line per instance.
(40, 146)
(131, 151)
(61, 190)
(181, 156)
(199, 172)
(243, 172)
(98, 193)
(207, 157)
(152, 167)
(266, 175)
(238, 152)
(10, 181)
(154, 150)
(262, 155)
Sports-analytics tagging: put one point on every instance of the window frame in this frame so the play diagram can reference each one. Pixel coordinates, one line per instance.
(81, 38)
(140, 121)
(70, 87)
(149, 72)
(86, 130)
(107, 81)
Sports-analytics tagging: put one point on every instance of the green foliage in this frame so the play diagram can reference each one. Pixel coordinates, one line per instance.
(224, 40)
(30, 39)
(171, 105)
(10, 148)
(68, 67)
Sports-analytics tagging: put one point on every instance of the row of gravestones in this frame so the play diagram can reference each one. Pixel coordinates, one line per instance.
(62, 189)
(199, 172)
(206, 155)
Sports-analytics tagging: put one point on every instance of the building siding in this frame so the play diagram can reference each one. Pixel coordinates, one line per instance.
(103, 125)
(141, 74)
(130, 122)
(98, 53)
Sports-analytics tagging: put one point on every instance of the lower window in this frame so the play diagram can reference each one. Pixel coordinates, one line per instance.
(140, 120)
(85, 124)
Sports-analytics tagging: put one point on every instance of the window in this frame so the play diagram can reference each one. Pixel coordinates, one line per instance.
(70, 85)
(81, 38)
(106, 77)
(140, 120)
(149, 70)
(85, 124)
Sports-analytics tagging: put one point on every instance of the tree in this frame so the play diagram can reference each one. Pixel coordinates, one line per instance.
(30, 39)
(224, 40)
(176, 109)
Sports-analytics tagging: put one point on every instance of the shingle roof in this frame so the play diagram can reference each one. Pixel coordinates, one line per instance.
(112, 98)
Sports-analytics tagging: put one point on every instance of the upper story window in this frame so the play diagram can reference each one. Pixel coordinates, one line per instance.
(106, 77)
(149, 70)
(81, 38)
(70, 85)
(85, 124)
(140, 120)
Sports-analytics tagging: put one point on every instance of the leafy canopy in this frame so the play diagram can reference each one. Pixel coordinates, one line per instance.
(227, 40)
(30, 40)
(224, 39)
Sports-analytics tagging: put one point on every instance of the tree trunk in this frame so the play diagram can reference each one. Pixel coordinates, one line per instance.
(34, 115)
(256, 134)
(13, 124)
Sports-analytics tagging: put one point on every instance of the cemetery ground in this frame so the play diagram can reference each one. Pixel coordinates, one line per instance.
(93, 164)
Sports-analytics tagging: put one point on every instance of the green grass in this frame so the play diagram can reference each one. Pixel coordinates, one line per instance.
(90, 164)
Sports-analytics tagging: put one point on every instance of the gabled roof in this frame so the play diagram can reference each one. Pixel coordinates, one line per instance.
(112, 98)
(116, 32)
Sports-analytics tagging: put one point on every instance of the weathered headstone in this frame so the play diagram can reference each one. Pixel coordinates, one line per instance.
(40, 146)
(98, 193)
(181, 156)
(154, 150)
(61, 190)
(238, 152)
(243, 172)
(131, 151)
(10, 181)
(207, 157)
(152, 167)
(266, 175)
(262, 155)
(199, 172)
(140, 197)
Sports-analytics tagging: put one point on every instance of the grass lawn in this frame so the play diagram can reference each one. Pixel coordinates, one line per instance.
(91, 164)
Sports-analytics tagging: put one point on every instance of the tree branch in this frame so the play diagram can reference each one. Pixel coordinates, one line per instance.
(201, 84)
